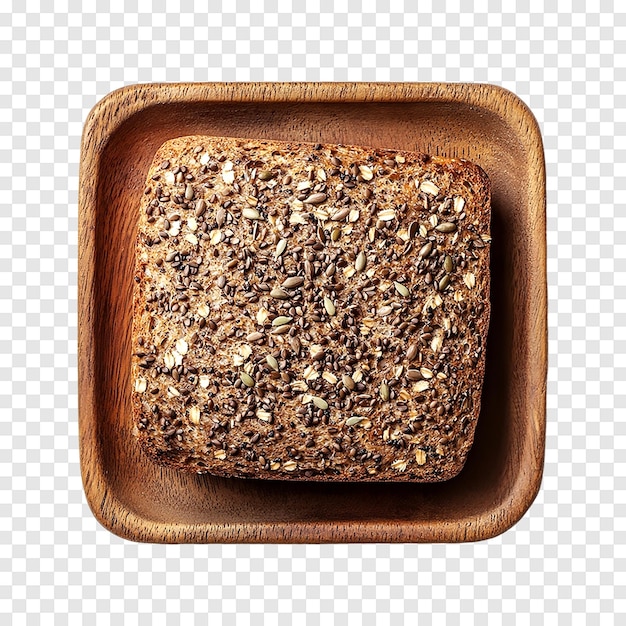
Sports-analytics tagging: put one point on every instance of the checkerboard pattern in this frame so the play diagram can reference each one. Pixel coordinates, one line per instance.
(563, 563)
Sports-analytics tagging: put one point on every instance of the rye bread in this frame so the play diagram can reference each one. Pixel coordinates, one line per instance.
(311, 312)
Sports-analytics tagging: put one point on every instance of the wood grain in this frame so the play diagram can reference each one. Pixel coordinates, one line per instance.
(138, 500)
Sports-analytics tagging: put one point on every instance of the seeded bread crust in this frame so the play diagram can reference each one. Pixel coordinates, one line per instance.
(311, 312)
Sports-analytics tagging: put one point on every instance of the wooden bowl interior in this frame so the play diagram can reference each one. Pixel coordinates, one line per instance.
(495, 462)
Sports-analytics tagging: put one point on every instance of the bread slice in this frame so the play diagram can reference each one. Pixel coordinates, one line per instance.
(312, 312)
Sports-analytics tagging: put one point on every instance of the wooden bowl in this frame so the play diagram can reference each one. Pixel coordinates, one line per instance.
(138, 500)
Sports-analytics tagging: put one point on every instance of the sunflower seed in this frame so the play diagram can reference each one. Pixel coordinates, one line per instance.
(189, 193)
(401, 289)
(295, 344)
(413, 375)
(412, 351)
(446, 227)
(315, 198)
(200, 208)
(250, 213)
(252, 337)
(329, 306)
(425, 250)
(279, 294)
(361, 262)
(340, 215)
(280, 330)
(293, 281)
(280, 247)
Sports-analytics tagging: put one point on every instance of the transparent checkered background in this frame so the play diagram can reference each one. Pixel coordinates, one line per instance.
(565, 560)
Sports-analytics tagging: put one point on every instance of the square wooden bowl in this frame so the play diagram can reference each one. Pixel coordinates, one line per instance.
(138, 500)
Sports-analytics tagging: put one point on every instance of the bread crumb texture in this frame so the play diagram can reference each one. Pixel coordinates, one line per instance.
(311, 312)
